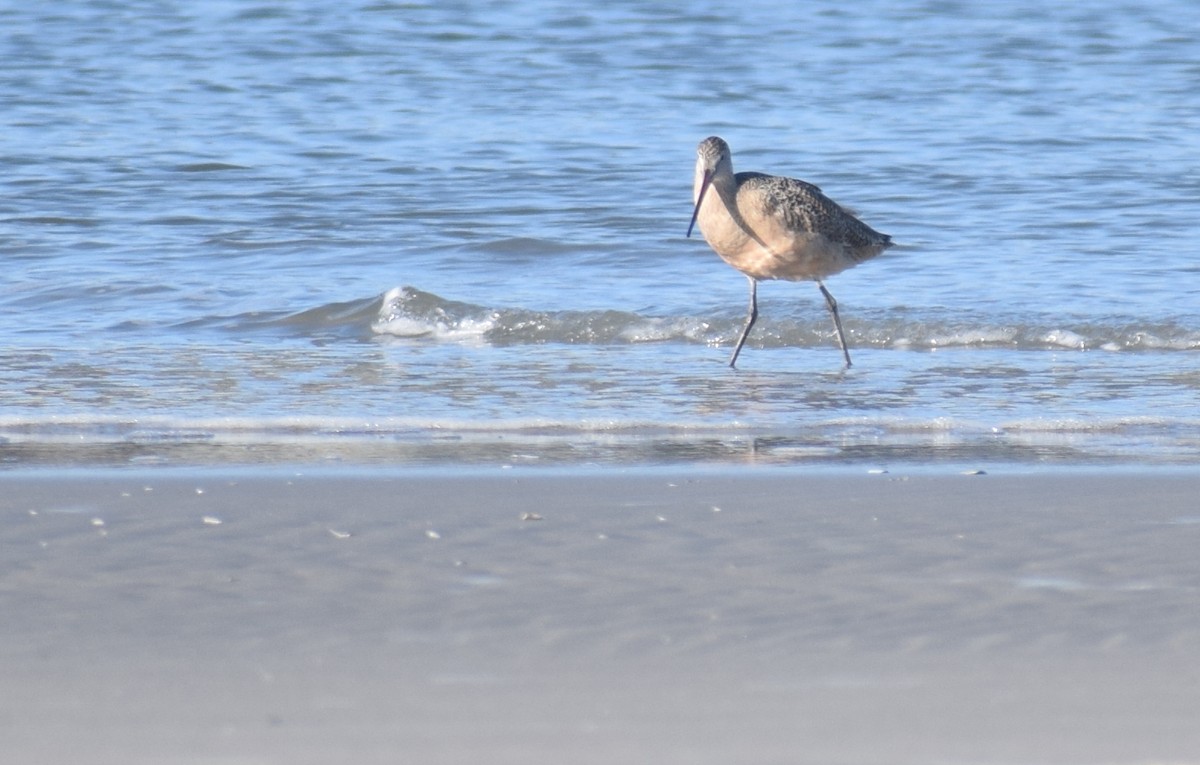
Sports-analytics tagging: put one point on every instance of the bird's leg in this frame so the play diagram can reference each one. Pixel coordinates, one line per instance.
(837, 322)
(750, 319)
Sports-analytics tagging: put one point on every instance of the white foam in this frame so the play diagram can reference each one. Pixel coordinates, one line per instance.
(1155, 342)
(402, 326)
(658, 330)
(1065, 338)
(463, 329)
(394, 320)
(980, 336)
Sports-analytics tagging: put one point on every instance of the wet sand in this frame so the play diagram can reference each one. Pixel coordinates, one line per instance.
(599, 617)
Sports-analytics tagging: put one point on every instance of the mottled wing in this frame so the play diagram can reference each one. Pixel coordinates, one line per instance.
(801, 207)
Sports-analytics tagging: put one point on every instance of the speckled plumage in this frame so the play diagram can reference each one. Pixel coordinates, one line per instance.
(769, 227)
(803, 207)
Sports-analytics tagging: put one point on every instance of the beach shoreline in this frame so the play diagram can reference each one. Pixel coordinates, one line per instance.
(603, 615)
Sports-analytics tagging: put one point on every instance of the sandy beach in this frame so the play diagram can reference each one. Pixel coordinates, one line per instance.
(602, 616)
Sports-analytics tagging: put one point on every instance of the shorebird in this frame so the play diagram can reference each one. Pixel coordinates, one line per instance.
(770, 227)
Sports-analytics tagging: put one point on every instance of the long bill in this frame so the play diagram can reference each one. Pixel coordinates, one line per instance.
(708, 176)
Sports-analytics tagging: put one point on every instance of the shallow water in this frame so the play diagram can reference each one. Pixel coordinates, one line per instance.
(455, 232)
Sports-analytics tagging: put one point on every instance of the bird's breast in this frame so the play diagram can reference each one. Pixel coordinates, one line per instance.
(757, 242)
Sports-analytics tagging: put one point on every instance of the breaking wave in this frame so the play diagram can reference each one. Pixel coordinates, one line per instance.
(407, 312)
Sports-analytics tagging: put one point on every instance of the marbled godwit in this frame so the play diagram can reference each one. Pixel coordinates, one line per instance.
(770, 227)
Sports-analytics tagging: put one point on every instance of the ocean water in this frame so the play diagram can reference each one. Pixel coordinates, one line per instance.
(453, 232)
